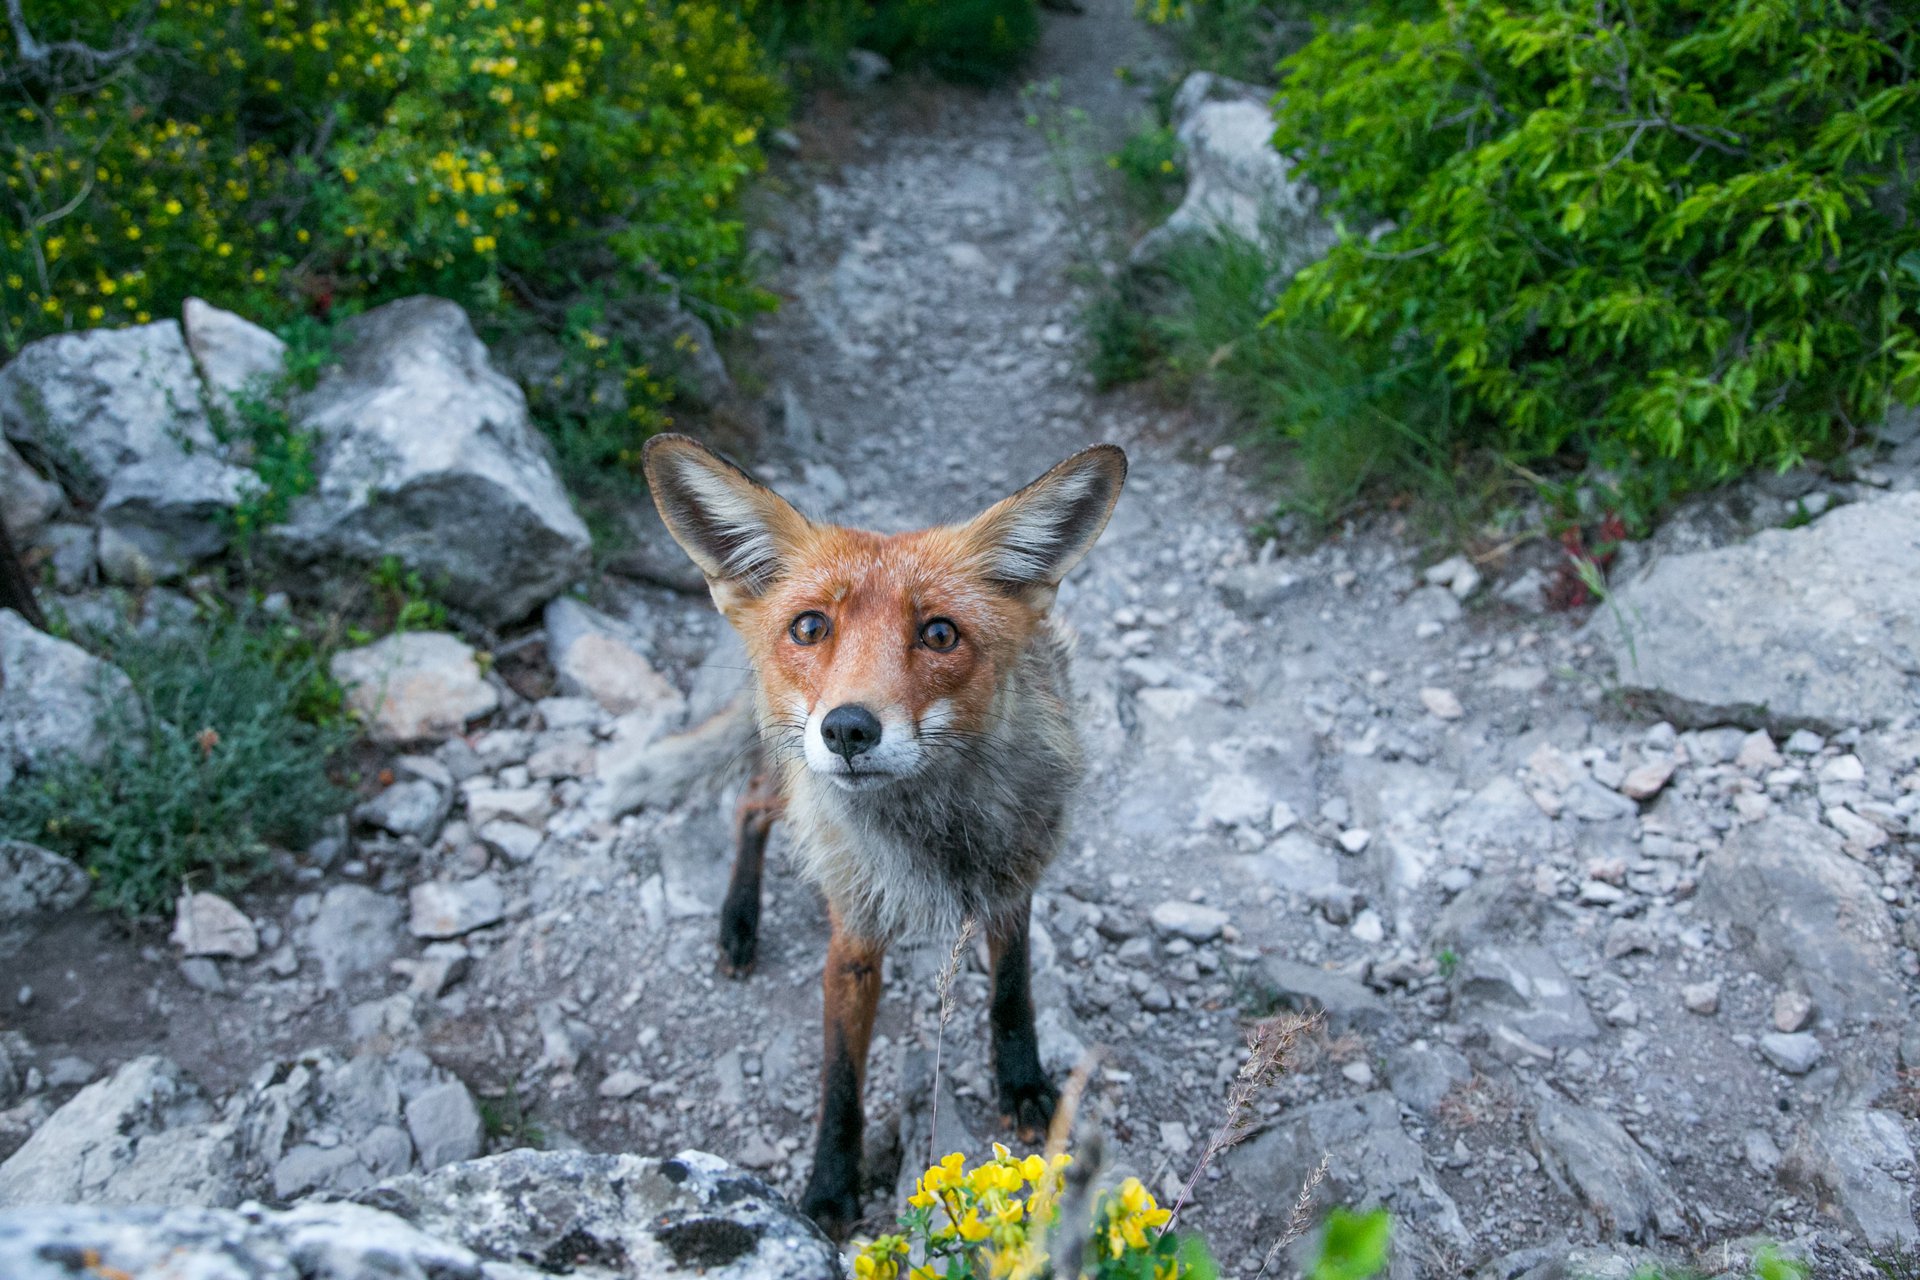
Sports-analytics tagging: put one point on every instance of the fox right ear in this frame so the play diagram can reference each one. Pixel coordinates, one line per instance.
(735, 528)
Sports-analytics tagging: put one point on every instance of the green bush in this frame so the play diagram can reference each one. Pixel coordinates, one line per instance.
(280, 157)
(973, 41)
(1666, 235)
(240, 724)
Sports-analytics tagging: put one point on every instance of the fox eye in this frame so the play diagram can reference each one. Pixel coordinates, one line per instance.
(810, 627)
(939, 634)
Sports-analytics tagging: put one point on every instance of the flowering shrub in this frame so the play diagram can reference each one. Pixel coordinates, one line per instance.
(1002, 1220)
(277, 156)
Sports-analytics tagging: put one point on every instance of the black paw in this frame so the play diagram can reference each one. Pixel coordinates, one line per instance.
(833, 1203)
(1026, 1102)
(739, 937)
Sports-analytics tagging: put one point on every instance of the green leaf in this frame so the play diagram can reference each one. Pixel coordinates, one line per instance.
(1353, 1246)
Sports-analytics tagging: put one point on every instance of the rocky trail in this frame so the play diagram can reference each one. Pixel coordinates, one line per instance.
(1612, 914)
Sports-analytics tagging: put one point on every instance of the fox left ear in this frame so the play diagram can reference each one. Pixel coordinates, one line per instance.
(1033, 539)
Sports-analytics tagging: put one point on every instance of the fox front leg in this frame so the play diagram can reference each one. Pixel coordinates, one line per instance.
(1026, 1095)
(851, 986)
(740, 913)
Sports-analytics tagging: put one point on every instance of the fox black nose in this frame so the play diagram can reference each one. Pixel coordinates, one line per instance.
(850, 731)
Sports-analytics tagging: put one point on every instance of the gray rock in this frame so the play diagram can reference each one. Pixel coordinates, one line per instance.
(451, 908)
(206, 924)
(27, 502)
(1589, 801)
(1423, 1073)
(1817, 626)
(144, 1135)
(1494, 909)
(1261, 587)
(498, 1218)
(236, 357)
(1810, 917)
(445, 1125)
(1523, 988)
(1370, 1161)
(1190, 920)
(54, 696)
(1589, 1155)
(596, 657)
(414, 685)
(35, 882)
(411, 807)
(425, 452)
(84, 405)
(1237, 184)
(354, 934)
(161, 516)
(1349, 1005)
(1499, 816)
(1848, 1158)
(1793, 1052)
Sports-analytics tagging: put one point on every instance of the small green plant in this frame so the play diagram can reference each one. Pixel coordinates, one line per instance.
(508, 1123)
(403, 599)
(1353, 1246)
(1152, 172)
(1448, 959)
(224, 757)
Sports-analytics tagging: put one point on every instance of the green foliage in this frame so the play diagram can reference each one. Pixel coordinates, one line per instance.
(1149, 162)
(972, 41)
(237, 724)
(1649, 232)
(1239, 38)
(278, 158)
(260, 431)
(1353, 1246)
(402, 601)
(1353, 421)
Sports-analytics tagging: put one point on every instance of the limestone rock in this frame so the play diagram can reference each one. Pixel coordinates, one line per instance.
(26, 501)
(1817, 626)
(235, 356)
(206, 924)
(1850, 1157)
(53, 696)
(84, 405)
(354, 934)
(1237, 184)
(144, 1135)
(1810, 916)
(162, 516)
(1590, 1155)
(414, 685)
(36, 881)
(1523, 988)
(425, 452)
(595, 658)
(451, 908)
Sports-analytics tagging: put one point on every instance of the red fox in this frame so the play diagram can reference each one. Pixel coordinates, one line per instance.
(914, 711)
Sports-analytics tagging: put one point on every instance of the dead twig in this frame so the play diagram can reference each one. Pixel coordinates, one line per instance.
(947, 976)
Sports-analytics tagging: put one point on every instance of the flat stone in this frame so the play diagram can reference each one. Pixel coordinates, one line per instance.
(1817, 626)
(1795, 1053)
(452, 908)
(1347, 1002)
(1644, 782)
(1189, 920)
(1422, 1074)
(1809, 916)
(595, 657)
(414, 685)
(1523, 988)
(1441, 704)
(445, 1125)
(354, 934)
(1587, 1153)
(205, 924)
(1848, 1158)
(412, 807)
(1702, 998)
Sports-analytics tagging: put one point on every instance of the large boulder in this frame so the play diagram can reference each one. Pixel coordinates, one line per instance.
(144, 1135)
(159, 518)
(53, 698)
(1238, 185)
(1808, 915)
(1858, 1164)
(425, 452)
(518, 1216)
(1817, 626)
(83, 405)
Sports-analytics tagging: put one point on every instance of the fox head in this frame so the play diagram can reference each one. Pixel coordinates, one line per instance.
(874, 649)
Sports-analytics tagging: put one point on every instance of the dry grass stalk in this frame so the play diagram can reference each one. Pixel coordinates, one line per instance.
(1268, 1046)
(1300, 1219)
(947, 977)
